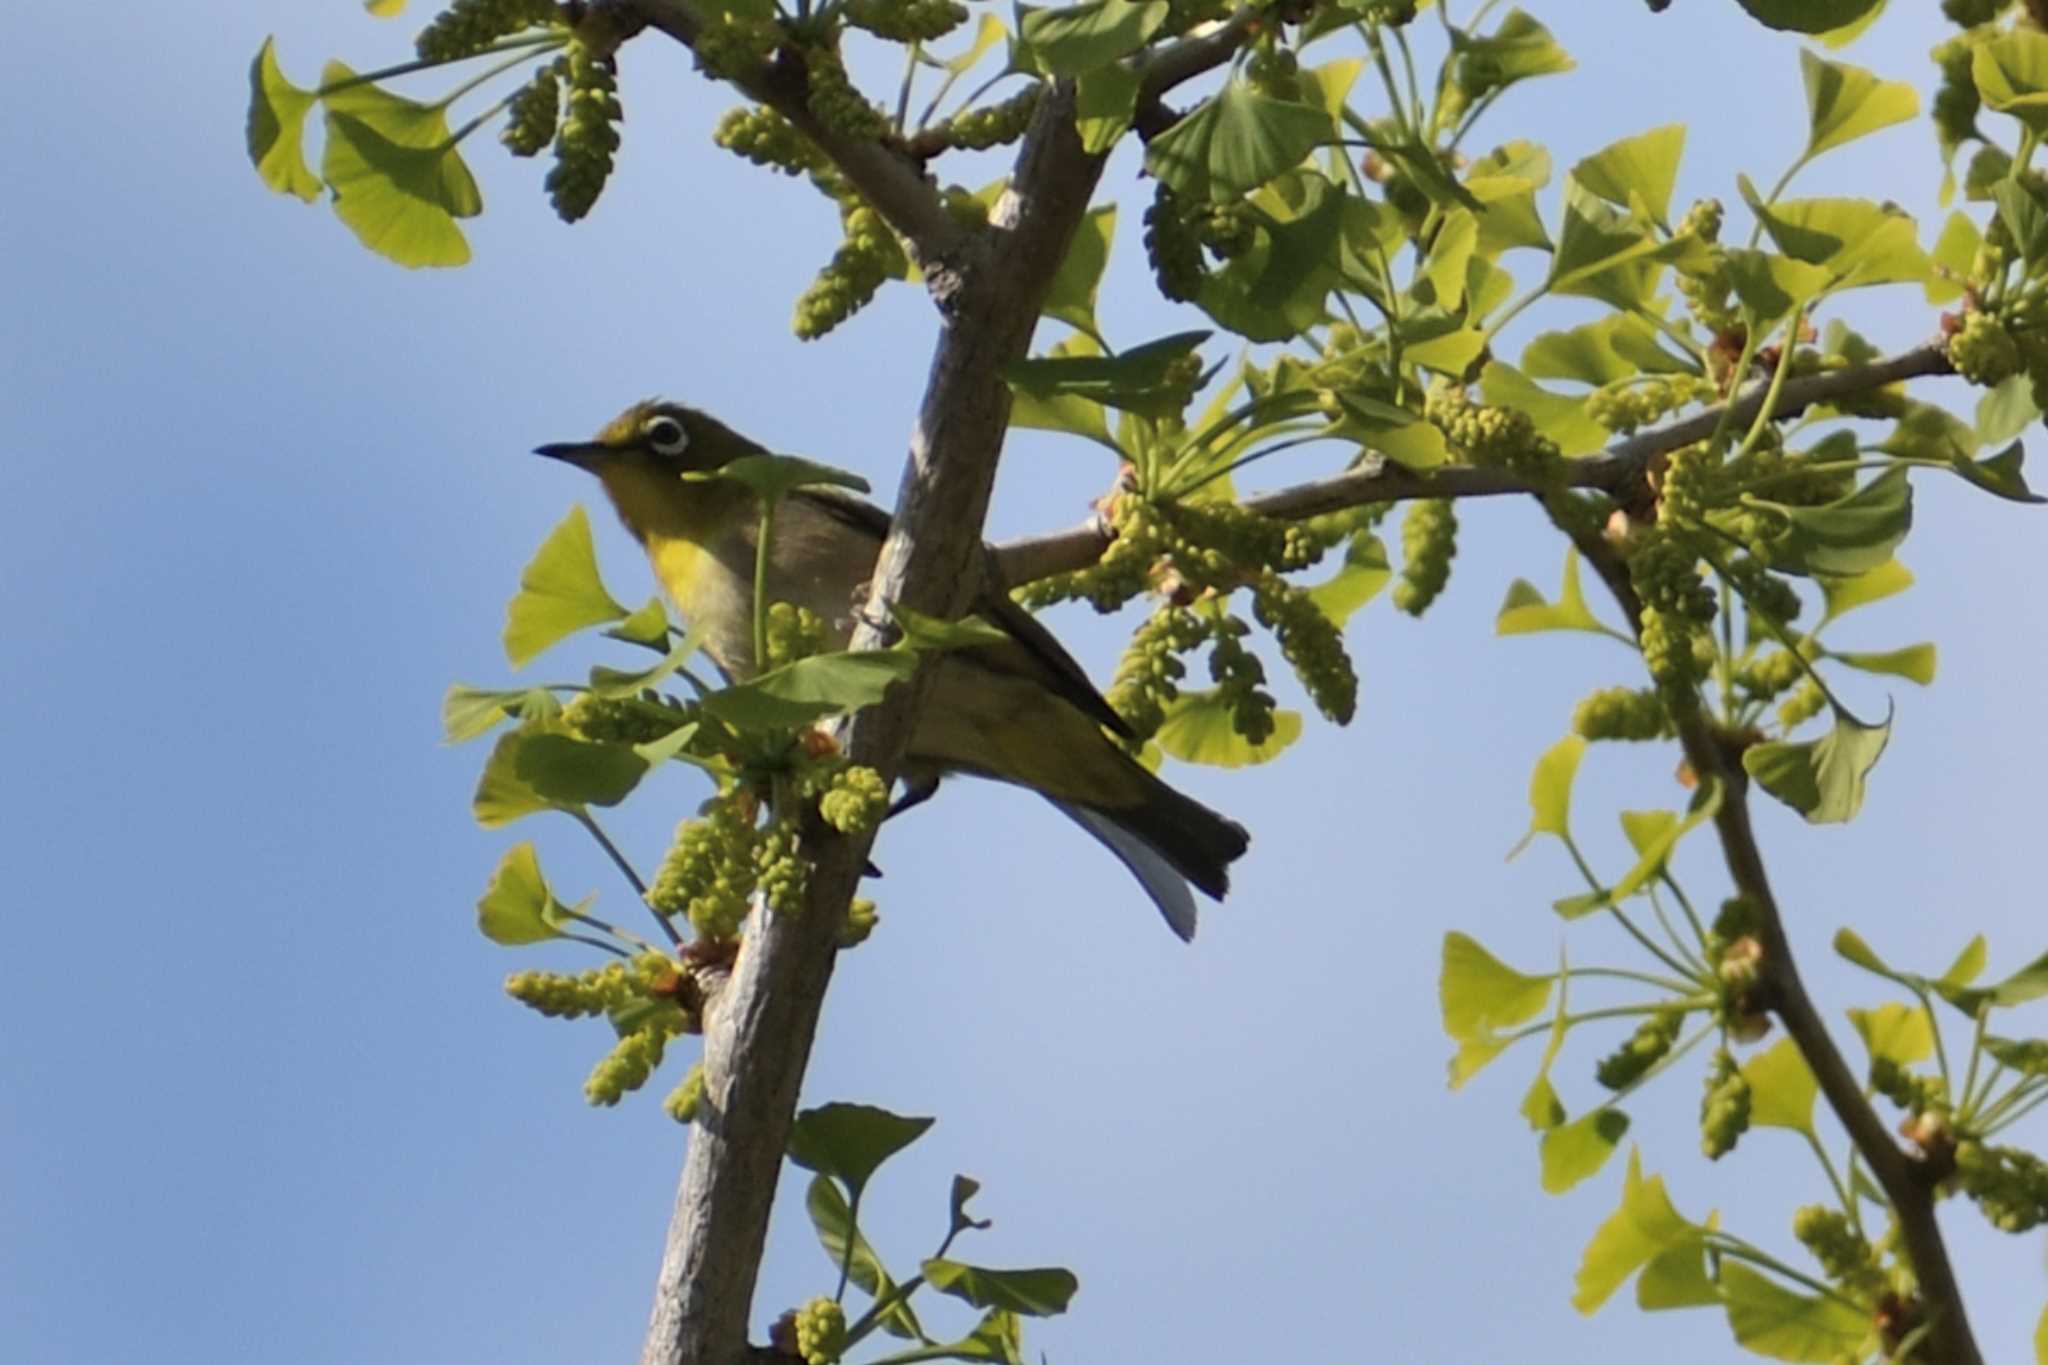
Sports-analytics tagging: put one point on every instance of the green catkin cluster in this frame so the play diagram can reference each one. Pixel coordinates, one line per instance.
(1216, 543)
(1149, 673)
(906, 21)
(1763, 591)
(2010, 1186)
(1502, 438)
(1970, 13)
(820, 1331)
(766, 138)
(1703, 278)
(1802, 706)
(856, 270)
(681, 1104)
(1240, 680)
(993, 125)
(1688, 486)
(1770, 675)
(1724, 1111)
(1627, 405)
(782, 872)
(1228, 229)
(588, 136)
(627, 1066)
(467, 27)
(795, 633)
(861, 919)
(855, 800)
(1844, 1255)
(1956, 100)
(535, 112)
(833, 99)
(1394, 13)
(730, 44)
(1429, 541)
(1792, 477)
(1275, 70)
(709, 871)
(1621, 713)
(1983, 351)
(1140, 539)
(1666, 571)
(1664, 568)
(1310, 642)
(561, 996)
(1649, 1045)
(624, 720)
(1173, 248)
(1909, 1090)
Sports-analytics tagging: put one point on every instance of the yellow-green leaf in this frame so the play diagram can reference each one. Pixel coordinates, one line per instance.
(1199, 728)
(1640, 169)
(2011, 72)
(1574, 1151)
(1844, 595)
(1550, 790)
(1660, 838)
(517, 907)
(277, 127)
(1822, 779)
(1480, 994)
(1846, 102)
(1781, 1087)
(1914, 663)
(1645, 1226)
(1472, 1056)
(560, 592)
(1858, 242)
(399, 182)
(987, 34)
(1071, 298)
(1526, 609)
(1895, 1031)
(1773, 1321)
(1676, 1279)
(1357, 581)
(1969, 963)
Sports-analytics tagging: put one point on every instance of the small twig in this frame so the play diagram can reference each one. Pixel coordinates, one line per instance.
(1905, 1179)
(888, 179)
(1617, 469)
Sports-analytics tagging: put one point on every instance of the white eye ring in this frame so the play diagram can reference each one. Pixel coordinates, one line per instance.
(666, 436)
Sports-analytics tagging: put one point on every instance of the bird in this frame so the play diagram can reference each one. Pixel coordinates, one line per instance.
(1019, 709)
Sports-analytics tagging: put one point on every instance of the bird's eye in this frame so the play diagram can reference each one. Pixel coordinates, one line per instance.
(665, 436)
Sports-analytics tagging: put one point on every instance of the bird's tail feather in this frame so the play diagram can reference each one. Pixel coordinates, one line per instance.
(1167, 842)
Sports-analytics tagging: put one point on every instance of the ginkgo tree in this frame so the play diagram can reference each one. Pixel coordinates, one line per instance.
(1724, 457)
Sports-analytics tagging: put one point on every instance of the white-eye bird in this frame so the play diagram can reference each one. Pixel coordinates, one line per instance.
(1020, 710)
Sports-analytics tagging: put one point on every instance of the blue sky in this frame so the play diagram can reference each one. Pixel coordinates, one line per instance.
(267, 496)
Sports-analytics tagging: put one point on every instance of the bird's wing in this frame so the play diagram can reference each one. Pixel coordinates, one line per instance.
(1033, 650)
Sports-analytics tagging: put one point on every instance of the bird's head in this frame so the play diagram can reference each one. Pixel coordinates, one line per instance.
(641, 455)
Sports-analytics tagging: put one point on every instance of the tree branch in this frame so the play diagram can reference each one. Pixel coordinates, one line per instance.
(1906, 1179)
(1378, 479)
(759, 1028)
(886, 176)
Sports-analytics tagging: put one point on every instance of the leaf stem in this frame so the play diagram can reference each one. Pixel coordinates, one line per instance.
(584, 818)
(1730, 1245)
(427, 64)
(492, 74)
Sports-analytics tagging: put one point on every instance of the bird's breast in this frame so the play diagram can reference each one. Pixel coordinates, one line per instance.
(712, 585)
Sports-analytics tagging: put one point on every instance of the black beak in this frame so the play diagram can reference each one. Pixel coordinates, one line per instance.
(582, 454)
